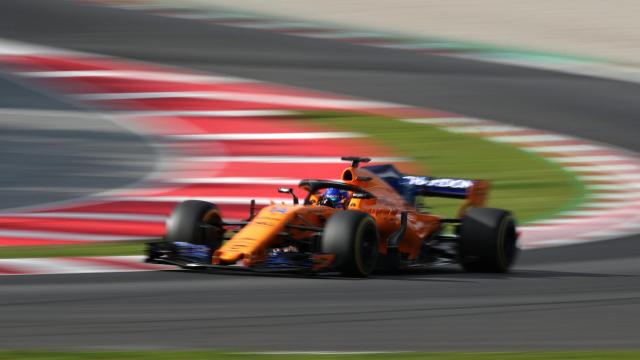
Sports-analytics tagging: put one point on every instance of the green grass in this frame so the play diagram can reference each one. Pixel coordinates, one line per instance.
(213, 355)
(529, 185)
(93, 249)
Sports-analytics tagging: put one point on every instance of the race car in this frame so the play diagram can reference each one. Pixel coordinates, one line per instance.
(367, 221)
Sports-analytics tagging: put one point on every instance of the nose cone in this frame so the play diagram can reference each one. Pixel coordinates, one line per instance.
(251, 242)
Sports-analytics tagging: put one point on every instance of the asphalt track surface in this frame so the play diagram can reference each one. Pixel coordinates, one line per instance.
(585, 296)
(51, 151)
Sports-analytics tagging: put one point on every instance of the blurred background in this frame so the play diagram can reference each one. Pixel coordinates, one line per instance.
(111, 112)
(581, 28)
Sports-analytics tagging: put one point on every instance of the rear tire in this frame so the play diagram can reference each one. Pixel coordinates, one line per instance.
(352, 236)
(487, 240)
(186, 224)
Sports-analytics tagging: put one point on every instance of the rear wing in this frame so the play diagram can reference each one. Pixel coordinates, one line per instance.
(445, 187)
(474, 192)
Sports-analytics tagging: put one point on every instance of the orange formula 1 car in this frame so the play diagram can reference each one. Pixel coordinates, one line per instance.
(365, 222)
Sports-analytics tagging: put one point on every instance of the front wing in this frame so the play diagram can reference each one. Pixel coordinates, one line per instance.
(198, 257)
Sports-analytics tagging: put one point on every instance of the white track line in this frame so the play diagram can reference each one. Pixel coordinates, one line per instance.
(47, 266)
(53, 235)
(138, 75)
(212, 113)
(270, 136)
(62, 265)
(10, 47)
(284, 159)
(239, 96)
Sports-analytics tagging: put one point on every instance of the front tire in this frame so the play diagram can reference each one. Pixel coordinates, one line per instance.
(196, 222)
(487, 240)
(352, 236)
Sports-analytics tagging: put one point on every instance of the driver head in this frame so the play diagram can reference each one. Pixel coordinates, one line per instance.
(334, 198)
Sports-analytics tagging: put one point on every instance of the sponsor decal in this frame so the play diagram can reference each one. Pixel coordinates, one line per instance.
(439, 182)
(278, 210)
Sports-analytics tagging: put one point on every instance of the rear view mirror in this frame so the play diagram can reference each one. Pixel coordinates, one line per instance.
(285, 190)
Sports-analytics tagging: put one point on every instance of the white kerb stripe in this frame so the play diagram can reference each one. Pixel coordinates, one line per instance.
(610, 204)
(270, 136)
(547, 243)
(630, 226)
(212, 113)
(136, 74)
(487, 128)
(564, 148)
(592, 213)
(239, 96)
(611, 177)
(589, 159)
(631, 196)
(445, 121)
(623, 186)
(609, 232)
(564, 221)
(603, 168)
(530, 138)
(284, 159)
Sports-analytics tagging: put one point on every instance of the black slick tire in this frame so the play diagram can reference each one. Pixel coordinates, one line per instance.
(185, 224)
(352, 236)
(487, 240)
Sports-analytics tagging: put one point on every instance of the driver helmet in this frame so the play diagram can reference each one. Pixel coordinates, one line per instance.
(334, 198)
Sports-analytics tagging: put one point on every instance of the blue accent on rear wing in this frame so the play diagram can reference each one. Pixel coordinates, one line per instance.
(411, 186)
(440, 187)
